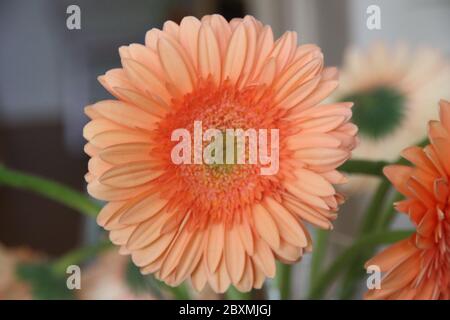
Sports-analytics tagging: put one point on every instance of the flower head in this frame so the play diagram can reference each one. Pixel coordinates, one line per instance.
(217, 223)
(394, 90)
(419, 267)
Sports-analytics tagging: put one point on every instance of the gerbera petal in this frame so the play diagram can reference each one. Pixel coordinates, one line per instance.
(234, 254)
(264, 258)
(189, 37)
(142, 208)
(147, 57)
(171, 28)
(263, 48)
(252, 37)
(299, 94)
(246, 237)
(191, 256)
(312, 139)
(323, 90)
(107, 193)
(130, 174)
(246, 282)
(443, 153)
(289, 228)
(236, 53)
(148, 231)
(314, 183)
(113, 137)
(199, 276)
(284, 49)
(266, 226)
(215, 246)
(177, 248)
(288, 253)
(126, 153)
(175, 66)
(153, 251)
(403, 273)
(208, 54)
(306, 197)
(116, 78)
(444, 113)
(145, 80)
(393, 255)
(108, 211)
(399, 175)
(120, 236)
(98, 126)
(125, 114)
(297, 74)
(220, 280)
(155, 108)
(222, 32)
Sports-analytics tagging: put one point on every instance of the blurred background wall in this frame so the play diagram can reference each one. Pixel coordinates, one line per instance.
(48, 74)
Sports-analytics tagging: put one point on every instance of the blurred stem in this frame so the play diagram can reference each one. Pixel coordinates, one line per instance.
(374, 168)
(376, 219)
(355, 265)
(327, 277)
(233, 294)
(179, 293)
(376, 204)
(49, 189)
(319, 253)
(284, 280)
(79, 256)
(389, 213)
(356, 270)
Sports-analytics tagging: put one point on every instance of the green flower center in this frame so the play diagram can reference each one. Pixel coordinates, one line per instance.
(377, 112)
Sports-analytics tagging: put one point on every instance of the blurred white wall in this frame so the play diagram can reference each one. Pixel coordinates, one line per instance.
(417, 22)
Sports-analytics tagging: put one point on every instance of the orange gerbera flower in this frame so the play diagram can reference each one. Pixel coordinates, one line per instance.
(419, 267)
(221, 224)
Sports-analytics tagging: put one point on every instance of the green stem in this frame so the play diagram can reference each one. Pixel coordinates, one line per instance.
(374, 168)
(284, 280)
(389, 213)
(179, 293)
(368, 241)
(373, 212)
(376, 219)
(355, 265)
(79, 256)
(233, 294)
(319, 253)
(49, 189)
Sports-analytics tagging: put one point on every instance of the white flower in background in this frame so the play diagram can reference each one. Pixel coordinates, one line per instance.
(395, 91)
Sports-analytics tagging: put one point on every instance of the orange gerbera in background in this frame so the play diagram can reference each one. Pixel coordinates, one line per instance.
(221, 224)
(419, 267)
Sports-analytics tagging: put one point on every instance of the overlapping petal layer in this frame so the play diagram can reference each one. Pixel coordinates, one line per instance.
(419, 267)
(216, 224)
